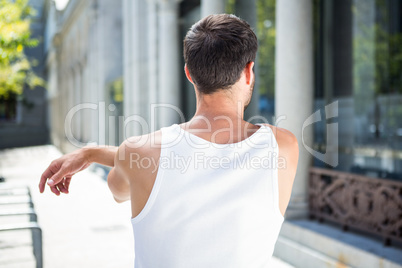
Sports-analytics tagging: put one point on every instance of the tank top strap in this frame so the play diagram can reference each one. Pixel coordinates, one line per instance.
(174, 134)
(267, 136)
(170, 136)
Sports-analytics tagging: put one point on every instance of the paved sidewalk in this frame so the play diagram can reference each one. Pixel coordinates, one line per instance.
(85, 228)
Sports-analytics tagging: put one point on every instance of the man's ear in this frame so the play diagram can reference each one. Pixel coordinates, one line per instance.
(188, 74)
(249, 72)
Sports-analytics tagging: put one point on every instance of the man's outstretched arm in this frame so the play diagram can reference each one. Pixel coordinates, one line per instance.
(59, 173)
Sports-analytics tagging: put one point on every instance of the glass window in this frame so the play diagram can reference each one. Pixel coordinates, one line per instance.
(358, 61)
(8, 107)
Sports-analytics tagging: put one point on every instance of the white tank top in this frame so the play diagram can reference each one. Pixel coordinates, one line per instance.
(212, 205)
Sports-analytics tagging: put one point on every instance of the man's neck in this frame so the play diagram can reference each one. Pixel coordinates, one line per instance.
(219, 104)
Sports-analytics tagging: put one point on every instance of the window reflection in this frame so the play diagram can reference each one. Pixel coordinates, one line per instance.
(358, 50)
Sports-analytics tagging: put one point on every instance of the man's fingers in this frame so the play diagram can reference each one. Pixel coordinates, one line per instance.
(67, 183)
(56, 178)
(62, 188)
(55, 190)
(46, 175)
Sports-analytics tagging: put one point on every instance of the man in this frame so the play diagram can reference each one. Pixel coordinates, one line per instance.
(210, 192)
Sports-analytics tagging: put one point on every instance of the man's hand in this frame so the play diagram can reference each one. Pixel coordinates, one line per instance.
(59, 173)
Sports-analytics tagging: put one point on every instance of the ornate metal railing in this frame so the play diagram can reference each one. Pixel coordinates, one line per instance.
(359, 202)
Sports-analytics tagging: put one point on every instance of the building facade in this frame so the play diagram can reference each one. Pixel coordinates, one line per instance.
(329, 71)
(84, 67)
(23, 119)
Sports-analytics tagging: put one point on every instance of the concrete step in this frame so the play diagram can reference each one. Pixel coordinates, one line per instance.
(309, 244)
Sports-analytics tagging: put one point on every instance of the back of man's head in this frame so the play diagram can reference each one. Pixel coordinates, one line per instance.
(216, 51)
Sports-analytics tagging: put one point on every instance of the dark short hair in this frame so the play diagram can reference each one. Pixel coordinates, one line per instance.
(216, 51)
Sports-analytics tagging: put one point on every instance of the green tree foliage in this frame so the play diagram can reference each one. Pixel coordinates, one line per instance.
(377, 52)
(266, 52)
(388, 53)
(15, 68)
(230, 6)
(265, 31)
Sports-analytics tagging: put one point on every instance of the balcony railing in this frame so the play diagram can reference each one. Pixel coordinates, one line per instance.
(359, 202)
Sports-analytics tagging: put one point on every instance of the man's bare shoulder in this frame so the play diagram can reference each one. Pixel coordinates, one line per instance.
(286, 139)
(142, 146)
(144, 142)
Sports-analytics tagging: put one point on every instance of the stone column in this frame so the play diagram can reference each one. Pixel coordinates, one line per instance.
(92, 75)
(169, 63)
(55, 68)
(77, 120)
(247, 10)
(209, 7)
(85, 82)
(152, 63)
(52, 97)
(134, 48)
(294, 88)
(95, 66)
(100, 72)
(86, 127)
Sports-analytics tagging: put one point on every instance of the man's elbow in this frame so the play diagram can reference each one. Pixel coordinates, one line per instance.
(119, 200)
(118, 187)
(119, 194)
